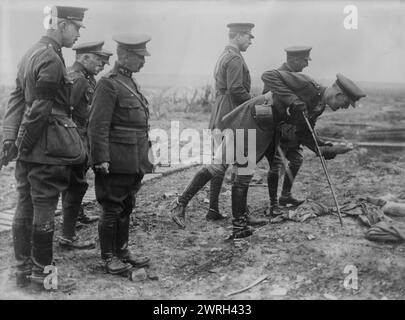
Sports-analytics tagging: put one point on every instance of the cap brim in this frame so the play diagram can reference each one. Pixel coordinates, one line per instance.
(141, 52)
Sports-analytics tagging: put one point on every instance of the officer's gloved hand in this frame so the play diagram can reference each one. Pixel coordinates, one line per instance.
(102, 168)
(296, 112)
(9, 149)
(8, 152)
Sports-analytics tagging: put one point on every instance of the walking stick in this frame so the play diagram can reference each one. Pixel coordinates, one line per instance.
(323, 162)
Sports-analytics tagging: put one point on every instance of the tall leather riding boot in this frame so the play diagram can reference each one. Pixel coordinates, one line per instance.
(197, 183)
(178, 212)
(286, 198)
(70, 211)
(42, 253)
(123, 252)
(107, 230)
(288, 183)
(22, 248)
(42, 258)
(272, 185)
(122, 235)
(241, 229)
(215, 190)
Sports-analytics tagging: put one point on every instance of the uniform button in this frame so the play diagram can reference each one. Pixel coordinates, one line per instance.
(65, 125)
(319, 94)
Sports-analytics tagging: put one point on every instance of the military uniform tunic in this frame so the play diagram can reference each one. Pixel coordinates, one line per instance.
(118, 132)
(38, 119)
(287, 87)
(232, 84)
(83, 85)
(288, 143)
(119, 124)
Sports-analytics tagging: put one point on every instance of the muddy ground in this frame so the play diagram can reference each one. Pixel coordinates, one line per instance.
(302, 260)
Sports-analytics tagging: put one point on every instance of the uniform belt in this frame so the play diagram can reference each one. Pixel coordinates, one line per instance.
(128, 128)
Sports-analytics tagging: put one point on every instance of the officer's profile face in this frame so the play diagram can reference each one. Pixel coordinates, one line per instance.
(101, 68)
(243, 40)
(134, 61)
(298, 64)
(338, 100)
(93, 63)
(70, 33)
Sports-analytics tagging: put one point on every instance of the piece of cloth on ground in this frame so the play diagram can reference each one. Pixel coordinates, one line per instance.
(373, 212)
(309, 209)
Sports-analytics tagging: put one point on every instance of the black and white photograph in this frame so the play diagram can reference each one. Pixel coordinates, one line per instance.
(219, 151)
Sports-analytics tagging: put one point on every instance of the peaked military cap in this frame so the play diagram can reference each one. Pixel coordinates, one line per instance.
(94, 47)
(133, 42)
(74, 14)
(89, 47)
(241, 28)
(299, 52)
(349, 88)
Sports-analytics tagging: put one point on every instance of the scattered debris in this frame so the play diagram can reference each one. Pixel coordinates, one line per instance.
(138, 275)
(168, 195)
(311, 237)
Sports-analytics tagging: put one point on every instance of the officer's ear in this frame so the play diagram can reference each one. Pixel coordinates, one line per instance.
(62, 24)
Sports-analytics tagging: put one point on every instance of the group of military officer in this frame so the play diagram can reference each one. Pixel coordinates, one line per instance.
(280, 117)
(56, 136)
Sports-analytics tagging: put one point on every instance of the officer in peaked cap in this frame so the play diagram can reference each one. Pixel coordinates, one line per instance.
(292, 94)
(349, 88)
(119, 145)
(232, 84)
(298, 57)
(296, 60)
(244, 28)
(135, 43)
(89, 47)
(89, 62)
(73, 14)
(48, 144)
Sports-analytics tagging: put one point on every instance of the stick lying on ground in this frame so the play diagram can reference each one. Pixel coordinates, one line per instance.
(261, 279)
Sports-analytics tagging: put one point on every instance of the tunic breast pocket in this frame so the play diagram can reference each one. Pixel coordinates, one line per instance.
(130, 110)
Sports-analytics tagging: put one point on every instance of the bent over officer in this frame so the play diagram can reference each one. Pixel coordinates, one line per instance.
(292, 93)
(90, 59)
(119, 144)
(297, 60)
(38, 122)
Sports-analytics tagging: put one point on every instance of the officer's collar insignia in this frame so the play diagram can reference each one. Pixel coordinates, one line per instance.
(124, 71)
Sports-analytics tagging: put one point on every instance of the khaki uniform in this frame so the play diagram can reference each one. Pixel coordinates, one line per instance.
(80, 100)
(38, 118)
(232, 84)
(118, 133)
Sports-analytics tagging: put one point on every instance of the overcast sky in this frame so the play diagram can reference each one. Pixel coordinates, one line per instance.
(188, 36)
